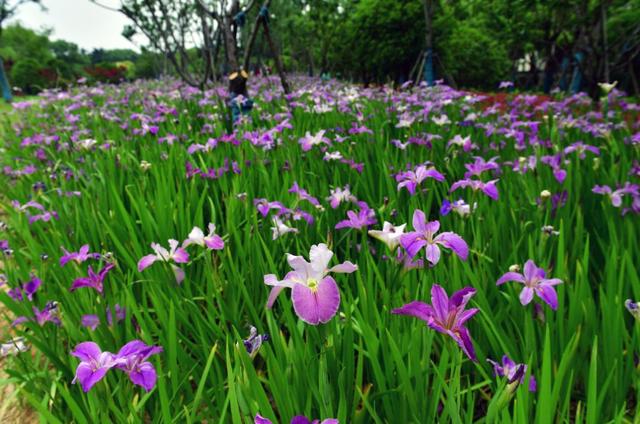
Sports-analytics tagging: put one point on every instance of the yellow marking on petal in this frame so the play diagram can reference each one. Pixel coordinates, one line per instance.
(312, 283)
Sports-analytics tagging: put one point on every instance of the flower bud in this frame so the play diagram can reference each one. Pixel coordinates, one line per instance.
(633, 308)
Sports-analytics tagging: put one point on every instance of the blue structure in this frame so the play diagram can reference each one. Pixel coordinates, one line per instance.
(4, 84)
(576, 81)
(564, 68)
(429, 73)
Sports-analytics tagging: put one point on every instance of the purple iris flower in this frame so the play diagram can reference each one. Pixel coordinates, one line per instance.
(489, 188)
(581, 148)
(120, 312)
(362, 219)
(411, 179)
(29, 288)
(264, 206)
(513, 372)
(446, 315)
(79, 257)
(535, 281)
(48, 314)
(254, 341)
(315, 294)
(90, 321)
(423, 236)
(94, 280)
(555, 163)
(132, 359)
(303, 194)
(308, 141)
(298, 419)
(479, 166)
(93, 366)
(616, 195)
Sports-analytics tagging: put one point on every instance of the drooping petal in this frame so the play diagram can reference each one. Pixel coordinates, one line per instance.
(464, 341)
(214, 242)
(146, 261)
(178, 273)
(273, 295)
(416, 309)
(344, 268)
(526, 295)
(318, 306)
(491, 190)
(87, 351)
(510, 276)
(88, 377)
(434, 174)
(432, 253)
(455, 243)
(299, 419)
(412, 243)
(549, 295)
(144, 375)
(82, 282)
(181, 256)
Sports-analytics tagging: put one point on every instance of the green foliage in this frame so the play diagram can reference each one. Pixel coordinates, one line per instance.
(366, 365)
(18, 42)
(382, 39)
(474, 57)
(28, 75)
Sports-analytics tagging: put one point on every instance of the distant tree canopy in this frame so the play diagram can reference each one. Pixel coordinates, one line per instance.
(537, 44)
(476, 43)
(34, 62)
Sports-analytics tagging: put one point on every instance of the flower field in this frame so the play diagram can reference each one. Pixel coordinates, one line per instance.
(346, 254)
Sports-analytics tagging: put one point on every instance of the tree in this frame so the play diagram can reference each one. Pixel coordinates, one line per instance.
(8, 9)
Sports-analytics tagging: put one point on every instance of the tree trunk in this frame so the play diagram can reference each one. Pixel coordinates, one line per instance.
(252, 37)
(605, 43)
(276, 58)
(429, 74)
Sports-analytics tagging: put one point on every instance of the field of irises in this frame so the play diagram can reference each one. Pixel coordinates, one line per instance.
(344, 254)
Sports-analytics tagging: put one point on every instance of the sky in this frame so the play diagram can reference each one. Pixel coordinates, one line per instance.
(78, 21)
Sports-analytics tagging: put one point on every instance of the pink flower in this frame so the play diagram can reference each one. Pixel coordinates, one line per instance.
(411, 179)
(535, 282)
(363, 218)
(175, 254)
(315, 294)
(211, 241)
(423, 236)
